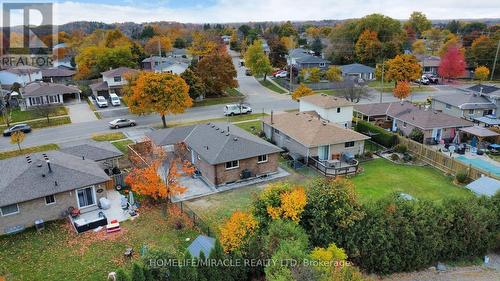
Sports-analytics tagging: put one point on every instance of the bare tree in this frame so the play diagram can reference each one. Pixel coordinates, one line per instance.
(45, 111)
(354, 92)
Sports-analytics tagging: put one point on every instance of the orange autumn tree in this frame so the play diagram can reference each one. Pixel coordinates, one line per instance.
(162, 93)
(237, 230)
(402, 90)
(158, 42)
(301, 91)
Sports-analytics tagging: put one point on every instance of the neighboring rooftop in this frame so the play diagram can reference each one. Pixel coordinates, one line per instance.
(120, 71)
(484, 89)
(479, 131)
(99, 86)
(310, 59)
(44, 88)
(372, 109)
(311, 131)
(216, 142)
(484, 186)
(26, 178)
(57, 72)
(466, 101)
(23, 69)
(429, 61)
(356, 68)
(92, 150)
(203, 244)
(326, 101)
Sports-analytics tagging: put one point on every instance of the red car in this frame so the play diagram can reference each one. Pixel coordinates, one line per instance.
(277, 72)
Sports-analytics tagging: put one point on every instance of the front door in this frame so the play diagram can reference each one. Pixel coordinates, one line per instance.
(323, 152)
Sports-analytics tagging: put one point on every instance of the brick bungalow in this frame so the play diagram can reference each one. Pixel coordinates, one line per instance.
(221, 152)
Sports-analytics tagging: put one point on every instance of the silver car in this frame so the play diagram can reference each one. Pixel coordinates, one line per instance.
(119, 123)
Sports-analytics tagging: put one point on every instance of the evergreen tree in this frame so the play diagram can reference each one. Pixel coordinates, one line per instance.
(137, 273)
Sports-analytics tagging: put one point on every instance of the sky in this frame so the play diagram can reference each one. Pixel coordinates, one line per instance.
(223, 11)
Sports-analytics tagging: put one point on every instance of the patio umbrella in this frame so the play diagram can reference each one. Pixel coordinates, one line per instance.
(131, 200)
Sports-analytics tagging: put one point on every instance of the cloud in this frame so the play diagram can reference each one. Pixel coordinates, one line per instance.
(222, 11)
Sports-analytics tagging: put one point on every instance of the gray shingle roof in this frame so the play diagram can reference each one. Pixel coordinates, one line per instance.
(485, 89)
(99, 86)
(213, 142)
(356, 68)
(42, 88)
(311, 59)
(23, 69)
(92, 150)
(22, 181)
(466, 101)
(203, 244)
(57, 72)
(118, 71)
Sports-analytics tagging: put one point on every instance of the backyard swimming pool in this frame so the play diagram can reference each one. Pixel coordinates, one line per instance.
(481, 164)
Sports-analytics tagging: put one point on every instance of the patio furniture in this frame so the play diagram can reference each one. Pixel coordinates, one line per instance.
(104, 203)
(114, 226)
(128, 252)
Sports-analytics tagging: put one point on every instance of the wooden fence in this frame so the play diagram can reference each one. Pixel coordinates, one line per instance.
(442, 161)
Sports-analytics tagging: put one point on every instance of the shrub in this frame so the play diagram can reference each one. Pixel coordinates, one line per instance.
(369, 154)
(461, 177)
(417, 135)
(378, 134)
(394, 157)
(407, 157)
(401, 148)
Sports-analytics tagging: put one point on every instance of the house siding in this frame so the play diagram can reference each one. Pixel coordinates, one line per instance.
(344, 118)
(446, 133)
(223, 176)
(457, 112)
(32, 210)
(285, 142)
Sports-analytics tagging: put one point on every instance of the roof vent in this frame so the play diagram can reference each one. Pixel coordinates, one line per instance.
(45, 156)
(235, 139)
(55, 183)
(83, 157)
(324, 123)
(323, 94)
(213, 126)
(227, 134)
(222, 132)
(28, 159)
(309, 120)
(39, 164)
(208, 123)
(216, 129)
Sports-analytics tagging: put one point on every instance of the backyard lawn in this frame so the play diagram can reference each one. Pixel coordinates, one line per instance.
(381, 177)
(252, 127)
(58, 253)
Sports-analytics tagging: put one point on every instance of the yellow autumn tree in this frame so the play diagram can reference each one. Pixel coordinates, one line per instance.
(157, 43)
(17, 138)
(236, 231)
(301, 91)
(418, 47)
(288, 42)
(403, 68)
(293, 204)
(402, 90)
(202, 44)
(333, 74)
(481, 73)
(162, 93)
(281, 201)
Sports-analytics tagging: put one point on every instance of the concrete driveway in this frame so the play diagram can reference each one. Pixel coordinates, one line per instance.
(80, 113)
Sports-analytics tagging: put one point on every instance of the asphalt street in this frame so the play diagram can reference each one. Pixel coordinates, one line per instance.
(258, 97)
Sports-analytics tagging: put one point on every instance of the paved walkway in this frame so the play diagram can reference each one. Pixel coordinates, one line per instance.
(80, 113)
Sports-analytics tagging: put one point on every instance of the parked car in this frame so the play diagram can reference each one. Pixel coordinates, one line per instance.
(283, 74)
(101, 102)
(432, 78)
(248, 72)
(423, 80)
(119, 123)
(236, 109)
(277, 72)
(25, 128)
(115, 100)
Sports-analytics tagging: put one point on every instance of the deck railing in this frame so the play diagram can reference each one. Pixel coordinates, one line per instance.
(340, 168)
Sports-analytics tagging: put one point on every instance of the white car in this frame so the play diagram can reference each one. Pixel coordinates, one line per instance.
(236, 109)
(115, 100)
(282, 74)
(101, 101)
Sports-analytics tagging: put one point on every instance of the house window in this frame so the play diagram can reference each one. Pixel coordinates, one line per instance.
(276, 131)
(349, 144)
(53, 99)
(9, 210)
(50, 199)
(117, 78)
(262, 158)
(338, 110)
(448, 106)
(471, 111)
(86, 197)
(232, 164)
(322, 64)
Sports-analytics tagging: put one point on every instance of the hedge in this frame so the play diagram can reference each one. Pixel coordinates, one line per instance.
(378, 134)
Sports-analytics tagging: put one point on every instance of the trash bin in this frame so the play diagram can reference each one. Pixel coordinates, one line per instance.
(39, 225)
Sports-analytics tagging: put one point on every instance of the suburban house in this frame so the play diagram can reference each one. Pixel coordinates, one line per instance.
(334, 109)
(221, 152)
(308, 136)
(404, 117)
(42, 93)
(429, 64)
(42, 187)
(468, 105)
(302, 58)
(102, 152)
(57, 75)
(226, 39)
(492, 93)
(176, 65)
(358, 71)
(179, 53)
(113, 81)
(23, 75)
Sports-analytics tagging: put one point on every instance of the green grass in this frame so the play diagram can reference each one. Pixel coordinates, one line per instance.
(389, 86)
(109, 136)
(252, 127)
(232, 119)
(271, 86)
(494, 157)
(381, 178)
(58, 253)
(232, 96)
(21, 116)
(122, 145)
(27, 150)
(54, 121)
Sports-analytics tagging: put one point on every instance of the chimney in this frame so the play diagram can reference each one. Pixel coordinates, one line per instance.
(272, 117)
(48, 165)
(83, 157)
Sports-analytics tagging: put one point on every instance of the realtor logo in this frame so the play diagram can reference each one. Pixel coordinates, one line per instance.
(28, 34)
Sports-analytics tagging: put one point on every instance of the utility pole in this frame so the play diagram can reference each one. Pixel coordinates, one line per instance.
(382, 90)
(495, 62)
